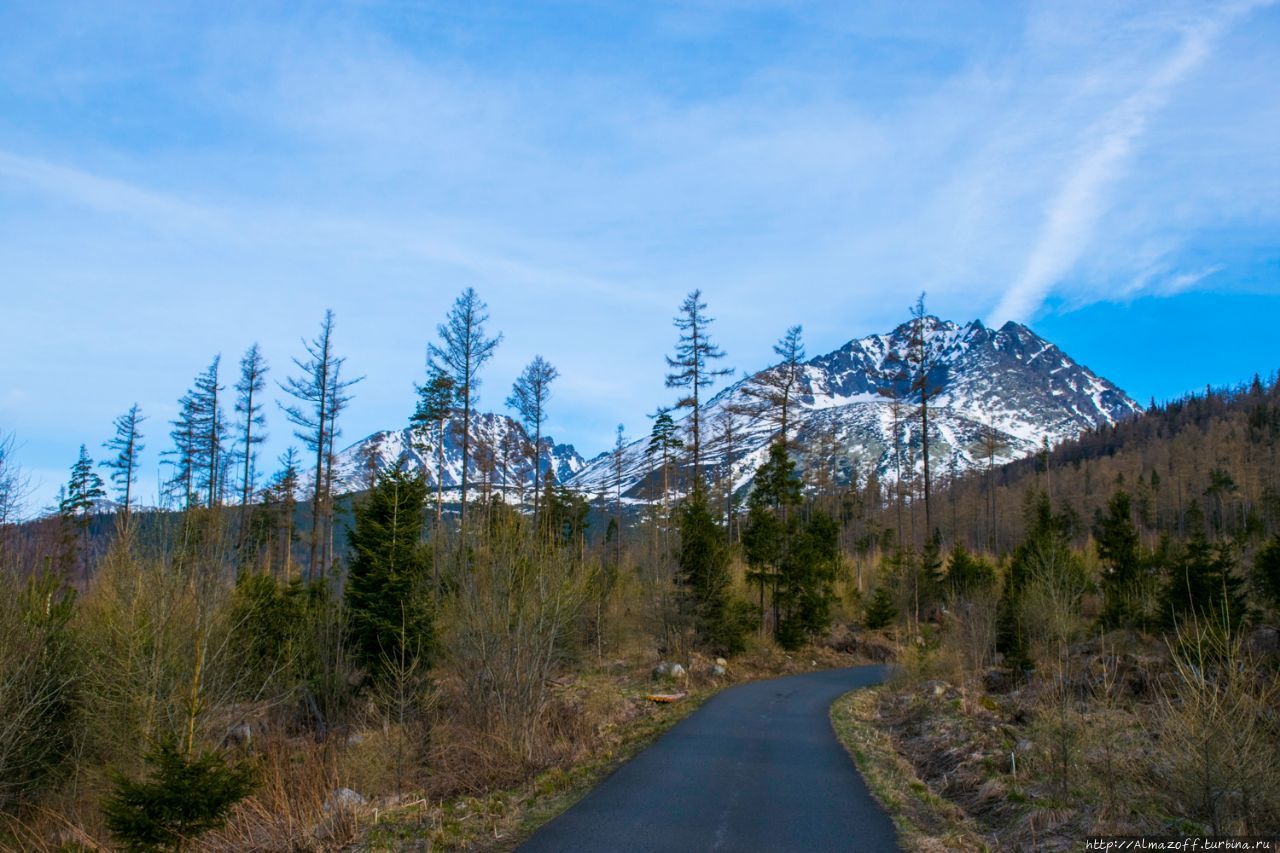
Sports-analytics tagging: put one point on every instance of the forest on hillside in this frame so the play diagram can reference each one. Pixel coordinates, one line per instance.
(243, 670)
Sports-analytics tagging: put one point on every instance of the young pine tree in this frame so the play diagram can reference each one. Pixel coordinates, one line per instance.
(703, 575)
(769, 530)
(1202, 586)
(185, 797)
(881, 611)
(1118, 548)
(806, 581)
(388, 615)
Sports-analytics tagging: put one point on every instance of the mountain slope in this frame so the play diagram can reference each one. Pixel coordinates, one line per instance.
(1008, 384)
(499, 448)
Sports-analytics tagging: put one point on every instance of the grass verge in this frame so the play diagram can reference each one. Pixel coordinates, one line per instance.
(501, 820)
(925, 821)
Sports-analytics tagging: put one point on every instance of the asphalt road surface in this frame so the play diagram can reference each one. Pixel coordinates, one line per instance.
(757, 768)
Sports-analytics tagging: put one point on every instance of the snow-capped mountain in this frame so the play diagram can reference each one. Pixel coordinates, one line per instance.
(1007, 387)
(499, 455)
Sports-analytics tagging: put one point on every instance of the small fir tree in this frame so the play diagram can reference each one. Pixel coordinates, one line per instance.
(183, 798)
(385, 594)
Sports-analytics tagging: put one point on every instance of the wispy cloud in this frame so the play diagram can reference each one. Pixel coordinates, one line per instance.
(583, 165)
(1075, 208)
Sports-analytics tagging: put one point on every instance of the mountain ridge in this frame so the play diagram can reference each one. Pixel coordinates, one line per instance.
(1008, 386)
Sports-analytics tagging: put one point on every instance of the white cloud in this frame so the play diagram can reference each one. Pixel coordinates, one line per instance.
(1082, 198)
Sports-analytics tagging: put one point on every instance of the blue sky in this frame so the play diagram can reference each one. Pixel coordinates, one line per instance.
(179, 180)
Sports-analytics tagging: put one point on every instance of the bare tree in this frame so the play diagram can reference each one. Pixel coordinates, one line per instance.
(619, 470)
(691, 368)
(15, 486)
(320, 393)
(923, 354)
(529, 397)
(462, 351)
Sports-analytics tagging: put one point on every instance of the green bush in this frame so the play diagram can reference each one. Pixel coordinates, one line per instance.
(183, 798)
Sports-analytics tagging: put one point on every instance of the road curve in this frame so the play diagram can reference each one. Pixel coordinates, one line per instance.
(757, 768)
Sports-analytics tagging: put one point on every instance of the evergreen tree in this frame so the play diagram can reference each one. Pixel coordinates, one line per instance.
(1202, 585)
(436, 403)
(567, 514)
(276, 514)
(83, 492)
(182, 459)
(1047, 541)
(1117, 541)
(664, 442)
(127, 446)
(769, 530)
(929, 576)
(806, 581)
(967, 574)
(691, 368)
(462, 351)
(528, 398)
(881, 611)
(249, 388)
(211, 430)
(184, 797)
(388, 617)
(703, 576)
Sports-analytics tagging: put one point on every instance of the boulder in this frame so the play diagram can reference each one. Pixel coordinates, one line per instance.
(343, 799)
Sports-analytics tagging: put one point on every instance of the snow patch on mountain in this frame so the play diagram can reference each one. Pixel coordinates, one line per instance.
(997, 395)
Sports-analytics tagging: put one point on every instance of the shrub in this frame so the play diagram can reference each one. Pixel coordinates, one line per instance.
(183, 798)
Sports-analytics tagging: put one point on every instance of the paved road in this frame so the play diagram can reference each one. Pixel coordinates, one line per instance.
(757, 768)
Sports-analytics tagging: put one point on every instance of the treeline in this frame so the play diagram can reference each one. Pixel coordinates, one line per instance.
(164, 675)
(215, 668)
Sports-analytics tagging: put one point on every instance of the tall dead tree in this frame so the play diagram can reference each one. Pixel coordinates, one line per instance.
(691, 368)
(319, 391)
(771, 393)
(923, 353)
(462, 351)
(528, 398)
